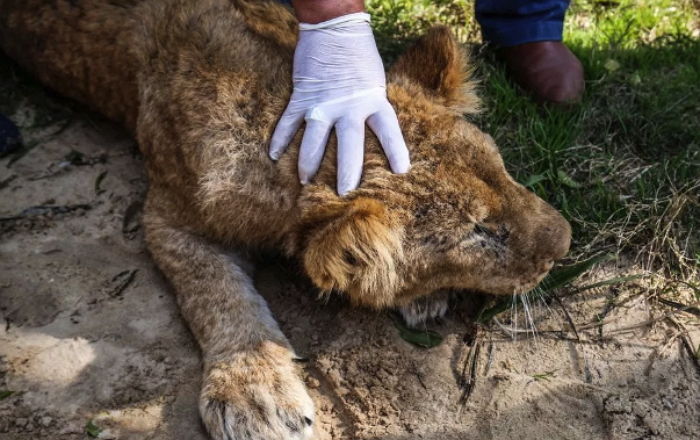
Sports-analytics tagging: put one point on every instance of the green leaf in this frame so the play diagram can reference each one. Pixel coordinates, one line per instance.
(420, 338)
(500, 307)
(565, 179)
(534, 180)
(564, 275)
(92, 430)
(4, 394)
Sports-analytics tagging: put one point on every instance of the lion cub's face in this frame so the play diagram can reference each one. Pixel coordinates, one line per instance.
(473, 227)
(457, 220)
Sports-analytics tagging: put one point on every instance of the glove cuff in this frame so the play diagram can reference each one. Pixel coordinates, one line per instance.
(357, 17)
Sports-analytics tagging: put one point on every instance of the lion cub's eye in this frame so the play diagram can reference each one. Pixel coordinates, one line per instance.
(500, 233)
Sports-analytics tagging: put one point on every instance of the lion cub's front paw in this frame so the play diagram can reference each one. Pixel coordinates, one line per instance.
(256, 396)
(425, 309)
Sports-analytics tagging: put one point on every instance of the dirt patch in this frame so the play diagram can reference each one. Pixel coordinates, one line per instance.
(90, 331)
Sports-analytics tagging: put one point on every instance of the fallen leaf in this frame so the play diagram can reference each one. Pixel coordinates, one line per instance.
(420, 338)
(92, 430)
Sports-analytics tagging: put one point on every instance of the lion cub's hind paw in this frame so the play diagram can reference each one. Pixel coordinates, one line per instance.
(258, 396)
(425, 309)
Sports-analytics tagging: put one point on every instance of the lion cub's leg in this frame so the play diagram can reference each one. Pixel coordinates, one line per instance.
(250, 388)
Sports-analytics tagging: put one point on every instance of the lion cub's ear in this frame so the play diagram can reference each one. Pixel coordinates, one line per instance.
(439, 66)
(354, 249)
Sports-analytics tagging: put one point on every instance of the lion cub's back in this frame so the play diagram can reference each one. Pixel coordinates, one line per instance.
(80, 48)
(93, 50)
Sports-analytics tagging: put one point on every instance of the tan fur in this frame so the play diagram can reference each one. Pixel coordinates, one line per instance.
(201, 84)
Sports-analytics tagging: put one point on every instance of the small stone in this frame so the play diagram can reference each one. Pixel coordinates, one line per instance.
(46, 421)
(107, 435)
(71, 428)
(21, 422)
(342, 391)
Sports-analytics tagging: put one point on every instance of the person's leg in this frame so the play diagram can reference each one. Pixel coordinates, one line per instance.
(528, 37)
(507, 23)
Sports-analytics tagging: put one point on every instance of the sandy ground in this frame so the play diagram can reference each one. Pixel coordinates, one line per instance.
(90, 331)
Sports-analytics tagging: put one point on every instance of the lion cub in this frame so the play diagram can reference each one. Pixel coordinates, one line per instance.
(201, 83)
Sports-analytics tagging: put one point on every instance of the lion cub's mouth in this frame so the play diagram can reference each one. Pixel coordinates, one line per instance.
(532, 282)
(515, 288)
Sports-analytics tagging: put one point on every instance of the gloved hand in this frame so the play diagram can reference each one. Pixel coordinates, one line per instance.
(339, 82)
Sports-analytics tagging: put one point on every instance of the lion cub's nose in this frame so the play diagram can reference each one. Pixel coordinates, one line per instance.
(553, 236)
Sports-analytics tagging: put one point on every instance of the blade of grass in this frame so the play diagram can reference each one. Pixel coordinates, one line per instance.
(611, 282)
(556, 279)
(564, 275)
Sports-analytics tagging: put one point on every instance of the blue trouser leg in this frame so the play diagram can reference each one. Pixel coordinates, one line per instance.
(511, 22)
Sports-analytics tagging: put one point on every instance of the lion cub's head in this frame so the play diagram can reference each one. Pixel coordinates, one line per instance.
(457, 220)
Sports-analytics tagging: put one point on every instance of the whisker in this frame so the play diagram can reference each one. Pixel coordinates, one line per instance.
(514, 313)
(542, 295)
(530, 323)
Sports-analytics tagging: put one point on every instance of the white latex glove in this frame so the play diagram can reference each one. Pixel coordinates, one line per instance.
(339, 82)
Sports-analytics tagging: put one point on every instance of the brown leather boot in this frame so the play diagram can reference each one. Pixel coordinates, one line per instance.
(546, 69)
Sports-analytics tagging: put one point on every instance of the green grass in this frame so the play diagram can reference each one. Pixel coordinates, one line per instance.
(624, 165)
(398, 22)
